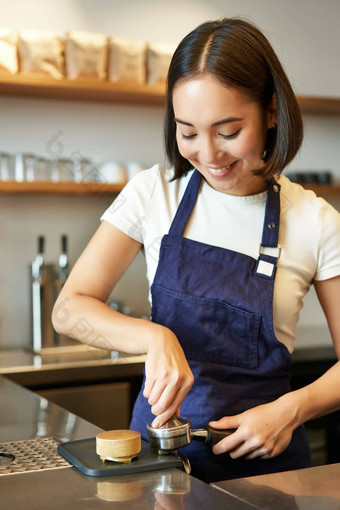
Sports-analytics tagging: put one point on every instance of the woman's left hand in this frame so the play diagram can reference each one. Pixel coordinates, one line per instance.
(263, 431)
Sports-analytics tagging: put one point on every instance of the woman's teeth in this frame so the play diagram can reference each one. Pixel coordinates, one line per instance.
(217, 171)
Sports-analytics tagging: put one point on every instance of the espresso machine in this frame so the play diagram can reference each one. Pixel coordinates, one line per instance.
(46, 282)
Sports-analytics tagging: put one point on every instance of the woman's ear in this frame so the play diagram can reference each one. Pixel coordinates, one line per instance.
(271, 113)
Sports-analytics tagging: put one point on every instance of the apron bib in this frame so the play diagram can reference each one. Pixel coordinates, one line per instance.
(219, 304)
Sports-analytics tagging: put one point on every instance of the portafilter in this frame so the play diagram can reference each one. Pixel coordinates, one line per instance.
(177, 433)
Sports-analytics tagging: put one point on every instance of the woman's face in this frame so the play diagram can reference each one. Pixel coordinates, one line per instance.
(222, 133)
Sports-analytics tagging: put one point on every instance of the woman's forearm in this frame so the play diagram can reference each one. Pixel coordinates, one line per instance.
(92, 322)
(168, 375)
(316, 399)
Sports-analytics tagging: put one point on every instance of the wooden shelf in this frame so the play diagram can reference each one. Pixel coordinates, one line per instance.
(104, 91)
(80, 90)
(59, 188)
(41, 86)
(324, 190)
(97, 188)
(319, 105)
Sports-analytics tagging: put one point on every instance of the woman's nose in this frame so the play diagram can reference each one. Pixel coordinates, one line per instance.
(210, 152)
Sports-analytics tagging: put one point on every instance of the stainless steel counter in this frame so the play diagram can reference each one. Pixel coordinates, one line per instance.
(19, 360)
(59, 365)
(68, 489)
(315, 488)
(25, 415)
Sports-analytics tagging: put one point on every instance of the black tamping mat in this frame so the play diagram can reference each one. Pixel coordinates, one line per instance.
(82, 454)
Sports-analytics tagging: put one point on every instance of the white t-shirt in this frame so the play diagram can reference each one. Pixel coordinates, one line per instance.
(309, 232)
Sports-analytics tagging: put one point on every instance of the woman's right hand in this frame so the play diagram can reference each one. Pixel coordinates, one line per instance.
(102, 264)
(168, 375)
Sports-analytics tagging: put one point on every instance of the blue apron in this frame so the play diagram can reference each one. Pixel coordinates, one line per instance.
(219, 304)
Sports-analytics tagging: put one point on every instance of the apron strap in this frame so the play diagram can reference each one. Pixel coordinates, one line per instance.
(186, 205)
(266, 264)
(270, 232)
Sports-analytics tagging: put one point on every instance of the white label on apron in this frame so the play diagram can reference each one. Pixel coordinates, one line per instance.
(265, 268)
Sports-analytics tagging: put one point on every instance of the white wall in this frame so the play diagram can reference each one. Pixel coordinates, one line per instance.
(305, 34)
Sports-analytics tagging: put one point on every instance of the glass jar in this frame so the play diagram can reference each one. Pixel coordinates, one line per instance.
(65, 169)
(42, 169)
(82, 167)
(7, 167)
(28, 166)
(55, 171)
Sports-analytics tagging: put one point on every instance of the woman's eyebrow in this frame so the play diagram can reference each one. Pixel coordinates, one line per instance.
(218, 123)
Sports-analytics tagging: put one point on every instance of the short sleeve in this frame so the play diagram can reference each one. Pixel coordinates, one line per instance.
(329, 242)
(128, 211)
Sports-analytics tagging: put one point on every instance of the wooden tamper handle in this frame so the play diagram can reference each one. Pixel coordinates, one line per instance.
(118, 445)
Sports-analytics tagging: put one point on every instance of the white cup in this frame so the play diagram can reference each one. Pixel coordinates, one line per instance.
(112, 172)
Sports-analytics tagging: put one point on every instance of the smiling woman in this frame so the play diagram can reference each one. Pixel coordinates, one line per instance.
(238, 55)
(223, 135)
(220, 232)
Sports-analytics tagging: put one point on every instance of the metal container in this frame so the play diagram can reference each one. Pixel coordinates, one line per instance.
(42, 299)
(174, 434)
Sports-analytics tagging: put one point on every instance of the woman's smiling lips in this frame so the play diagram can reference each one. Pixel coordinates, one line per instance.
(220, 172)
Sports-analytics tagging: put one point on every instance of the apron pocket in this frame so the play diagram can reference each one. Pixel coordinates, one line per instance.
(208, 330)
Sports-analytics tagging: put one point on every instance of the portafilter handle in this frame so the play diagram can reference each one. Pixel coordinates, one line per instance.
(210, 435)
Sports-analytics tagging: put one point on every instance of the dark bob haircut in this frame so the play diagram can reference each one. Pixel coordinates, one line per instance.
(239, 56)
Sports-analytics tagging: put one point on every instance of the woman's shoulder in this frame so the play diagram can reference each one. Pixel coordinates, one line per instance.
(141, 187)
(146, 178)
(157, 183)
(304, 207)
(293, 191)
(300, 198)
(152, 190)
